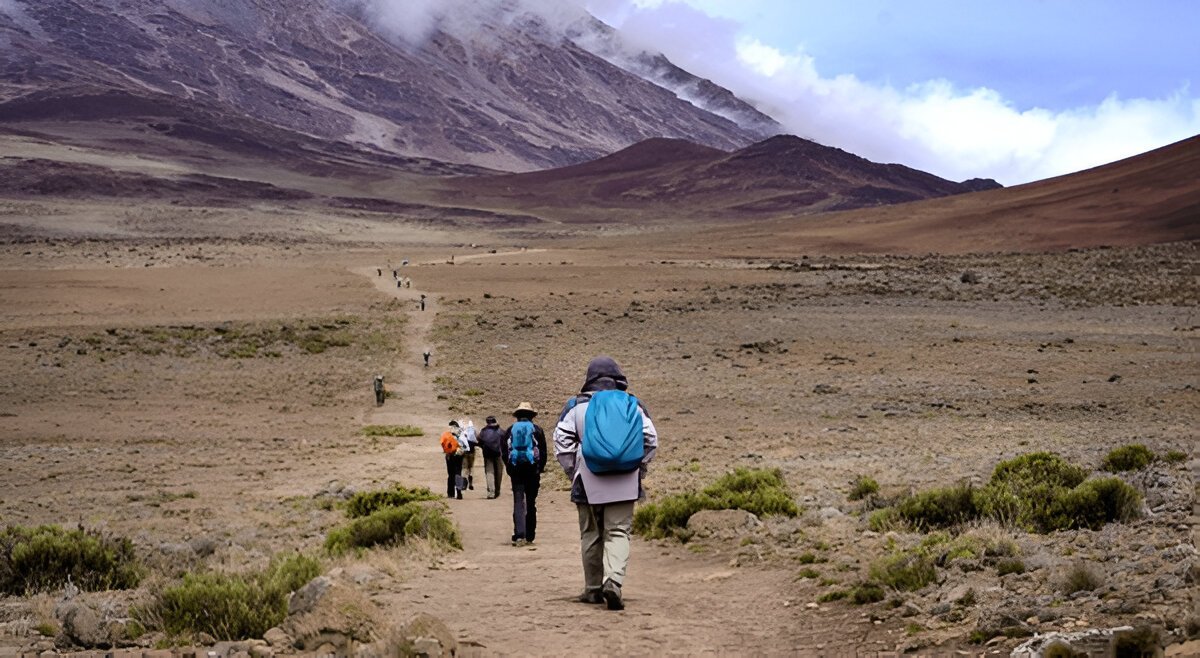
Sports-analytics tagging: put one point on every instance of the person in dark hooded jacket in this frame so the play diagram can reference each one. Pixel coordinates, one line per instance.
(604, 501)
(491, 440)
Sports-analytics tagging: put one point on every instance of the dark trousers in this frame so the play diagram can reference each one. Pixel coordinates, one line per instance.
(525, 485)
(453, 471)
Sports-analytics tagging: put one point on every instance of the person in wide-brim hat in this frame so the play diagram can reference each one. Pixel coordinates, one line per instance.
(524, 468)
(525, 409)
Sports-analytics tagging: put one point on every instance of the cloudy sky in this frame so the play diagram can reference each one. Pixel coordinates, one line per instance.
(1015, 90)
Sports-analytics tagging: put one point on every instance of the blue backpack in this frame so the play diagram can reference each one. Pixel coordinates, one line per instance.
(612, 433)
(522, 448)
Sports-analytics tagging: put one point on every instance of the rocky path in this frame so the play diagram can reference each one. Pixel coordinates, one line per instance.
(500, 599)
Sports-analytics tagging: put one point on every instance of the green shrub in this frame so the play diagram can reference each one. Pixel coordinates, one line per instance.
(391, 525)
(760, 492)
(939, 508)
(365, 503)
(1132, 457)
(1038, 467)
(1023, 490)
(885, 520)
(231, 606)
(1080, 578)
(807, 572)
(1174, 457)
(835, 595)
(867, 592)
(905, 571)
(392, 430)
(1094, 503)
(1009, 565)
(43, 558)
(862, 487)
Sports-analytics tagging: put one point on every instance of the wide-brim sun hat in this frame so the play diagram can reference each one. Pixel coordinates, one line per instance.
(525, 408)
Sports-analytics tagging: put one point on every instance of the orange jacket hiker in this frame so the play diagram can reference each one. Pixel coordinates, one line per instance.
(449, 443)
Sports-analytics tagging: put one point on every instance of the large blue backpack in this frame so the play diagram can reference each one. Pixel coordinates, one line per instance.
(522, 448)
(612, 433)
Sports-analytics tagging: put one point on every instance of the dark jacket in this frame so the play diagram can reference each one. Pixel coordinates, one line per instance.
(539, 436)
(492, 439)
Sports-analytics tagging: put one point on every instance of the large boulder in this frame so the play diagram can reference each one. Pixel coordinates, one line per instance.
(723, 523)
(327, 612)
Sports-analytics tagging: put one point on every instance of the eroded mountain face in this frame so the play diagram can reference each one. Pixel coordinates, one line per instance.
(515, 95)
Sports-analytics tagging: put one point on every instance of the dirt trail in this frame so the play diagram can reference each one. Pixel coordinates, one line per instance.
(508, 600)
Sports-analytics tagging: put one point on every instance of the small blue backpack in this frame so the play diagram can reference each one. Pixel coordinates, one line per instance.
(612, 433)
(522, 448)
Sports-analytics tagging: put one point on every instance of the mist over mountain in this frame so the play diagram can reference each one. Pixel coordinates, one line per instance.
(504, 84)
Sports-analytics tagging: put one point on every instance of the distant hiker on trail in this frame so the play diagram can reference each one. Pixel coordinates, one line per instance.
(491, 442)
(407, 282)
(468, 441)
(604, 441)
(380, 393)
(524, 458)
(422, 302)
(399, 284)
(453, 452)
(425, 355)
(379, 271)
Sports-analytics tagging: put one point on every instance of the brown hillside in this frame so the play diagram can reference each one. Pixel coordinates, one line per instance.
(1147, 199)
(780, 174)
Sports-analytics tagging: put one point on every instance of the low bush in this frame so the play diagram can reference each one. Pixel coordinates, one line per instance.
(392, 430)
(1080, 578)
(834, 595)
(862, 487)
(760, 492)
(230, 606)
(392, 525)
(1009, 565)
(939, 508)
(1094, 503)
(867, 592)
(44, 558)
(365, 503)
(905, 571)
(1132, 457)
(1039, 492)
(1174, 457)
(885, 520)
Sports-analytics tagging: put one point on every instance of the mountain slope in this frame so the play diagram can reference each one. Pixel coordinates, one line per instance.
(1147, 199)
(516, 95)
(780, 174)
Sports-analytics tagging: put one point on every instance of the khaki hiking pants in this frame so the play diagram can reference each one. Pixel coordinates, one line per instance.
(604, 540)
(493, 472)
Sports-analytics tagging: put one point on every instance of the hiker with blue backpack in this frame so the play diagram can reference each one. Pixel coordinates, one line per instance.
(524, 448)
(604, 441)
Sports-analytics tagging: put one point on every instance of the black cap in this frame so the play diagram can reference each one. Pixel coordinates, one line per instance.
(490, 419)
(454, 423)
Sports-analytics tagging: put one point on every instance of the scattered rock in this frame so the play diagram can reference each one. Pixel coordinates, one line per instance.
(81, 625)
(969, 277)
(826, 389)
(325, 612)
(723, 523)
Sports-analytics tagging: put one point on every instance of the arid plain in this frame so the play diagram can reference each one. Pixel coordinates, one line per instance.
(205, 394)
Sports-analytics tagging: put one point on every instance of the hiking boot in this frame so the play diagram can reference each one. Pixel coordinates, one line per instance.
(591, 596)
(612, 595)
(518, 542)
(459, 495)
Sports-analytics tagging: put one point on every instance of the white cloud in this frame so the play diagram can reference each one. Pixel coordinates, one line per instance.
(935, 126)
(957, 133)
